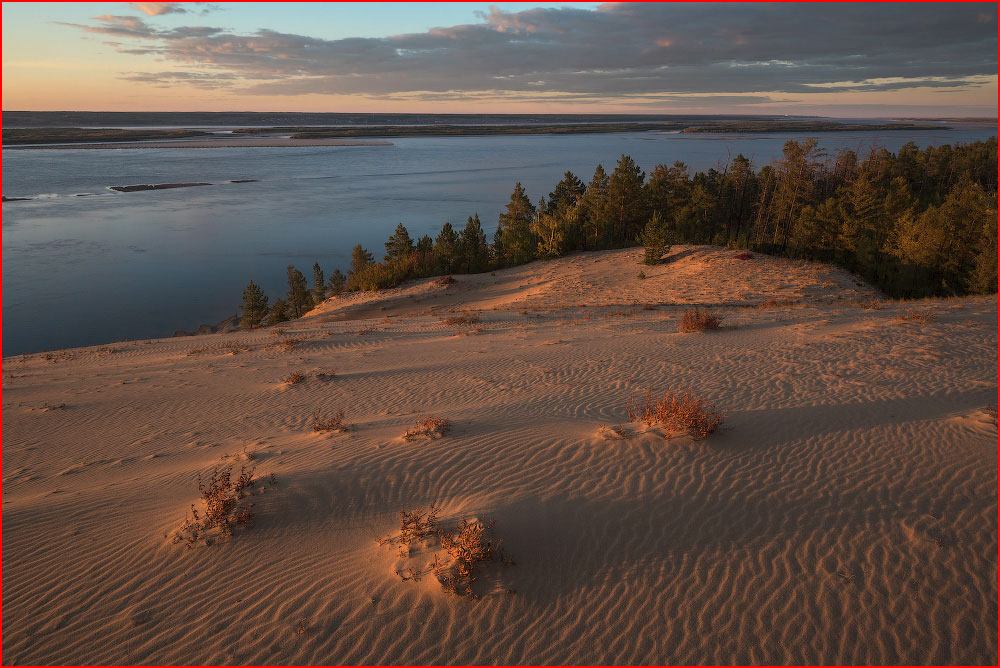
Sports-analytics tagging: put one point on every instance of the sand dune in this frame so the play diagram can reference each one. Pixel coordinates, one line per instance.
(845, 512)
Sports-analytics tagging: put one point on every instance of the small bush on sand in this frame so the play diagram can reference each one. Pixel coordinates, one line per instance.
(224, 506)
(294, 378)
(329, 374)
(335, 423)
(914, 316)
(290, 343)
(641, 275)
(445, 280)
(771, 302)
(698, 320)
(430, 427)
(743, 255)
(466, 545)
(467, 318)
(677, 412)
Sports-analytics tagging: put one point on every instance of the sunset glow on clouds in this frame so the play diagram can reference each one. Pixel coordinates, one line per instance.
(827, 59)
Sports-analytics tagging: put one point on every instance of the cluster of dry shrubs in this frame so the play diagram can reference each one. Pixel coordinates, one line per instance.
(915, 316)
(467, 318)
(224, 506)
(297, 377)
(698, 320)
(334, 423)
(771, 302)
(429, 427)
(467, 544)
(676, 412)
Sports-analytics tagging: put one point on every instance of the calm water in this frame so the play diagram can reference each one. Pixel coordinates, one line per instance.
(110, 266)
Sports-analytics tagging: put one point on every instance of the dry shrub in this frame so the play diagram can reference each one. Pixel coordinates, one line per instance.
(467, 318)
(680, 412)
(698, 320)
(915, 316)
(743, 255)
(771, 302)
(224, 506)
(290, 343)
(430, 427)
(335, 423)
(445, 280)
(294, 378)
(467, 544)
(330, 374)
(620, 312)
(871, 304)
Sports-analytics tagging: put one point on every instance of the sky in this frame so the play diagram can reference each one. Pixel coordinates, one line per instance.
(824, 59)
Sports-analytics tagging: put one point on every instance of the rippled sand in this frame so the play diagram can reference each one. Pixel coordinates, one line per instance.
(844, 513)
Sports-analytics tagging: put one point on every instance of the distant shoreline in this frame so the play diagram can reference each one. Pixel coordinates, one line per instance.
(378, 135)
(201, 143)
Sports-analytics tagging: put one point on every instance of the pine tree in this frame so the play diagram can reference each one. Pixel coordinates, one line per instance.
(656, 238)
(596, 216)
(337, 282)
(399, 246)
(626, 196)
(515, 224)
(319, 292)
(424, 256)
(255, 308)
(299, 299)
(361, 259)
(446, 249)
(474, 249)
(279, 312)
(566, 193)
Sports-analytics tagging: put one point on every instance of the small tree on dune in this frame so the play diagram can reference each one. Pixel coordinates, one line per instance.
(279, 312)
(254, 306)
(337, 282)
(473, 247)
(656, 238)
(299, 299)
(399, 246)
(319, 292)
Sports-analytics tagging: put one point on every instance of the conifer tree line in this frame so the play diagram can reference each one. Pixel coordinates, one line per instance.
(920, 222)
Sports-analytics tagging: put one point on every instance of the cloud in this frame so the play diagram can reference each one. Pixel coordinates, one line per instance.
(158, 8)
(618, 51)
(161, 8)
(205, 80)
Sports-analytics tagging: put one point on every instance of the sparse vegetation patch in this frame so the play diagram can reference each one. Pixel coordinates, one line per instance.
(429, 427)
(676, 412)
(698, 320)
(334, 423)
(466, 545)
(224, 507)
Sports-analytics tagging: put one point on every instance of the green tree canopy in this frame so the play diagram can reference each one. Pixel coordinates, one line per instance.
(255, 308)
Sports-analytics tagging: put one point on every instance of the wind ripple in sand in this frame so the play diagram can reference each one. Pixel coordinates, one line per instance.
(845, 512)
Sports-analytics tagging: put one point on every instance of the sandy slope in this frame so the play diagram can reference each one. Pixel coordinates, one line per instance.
(845, 513)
